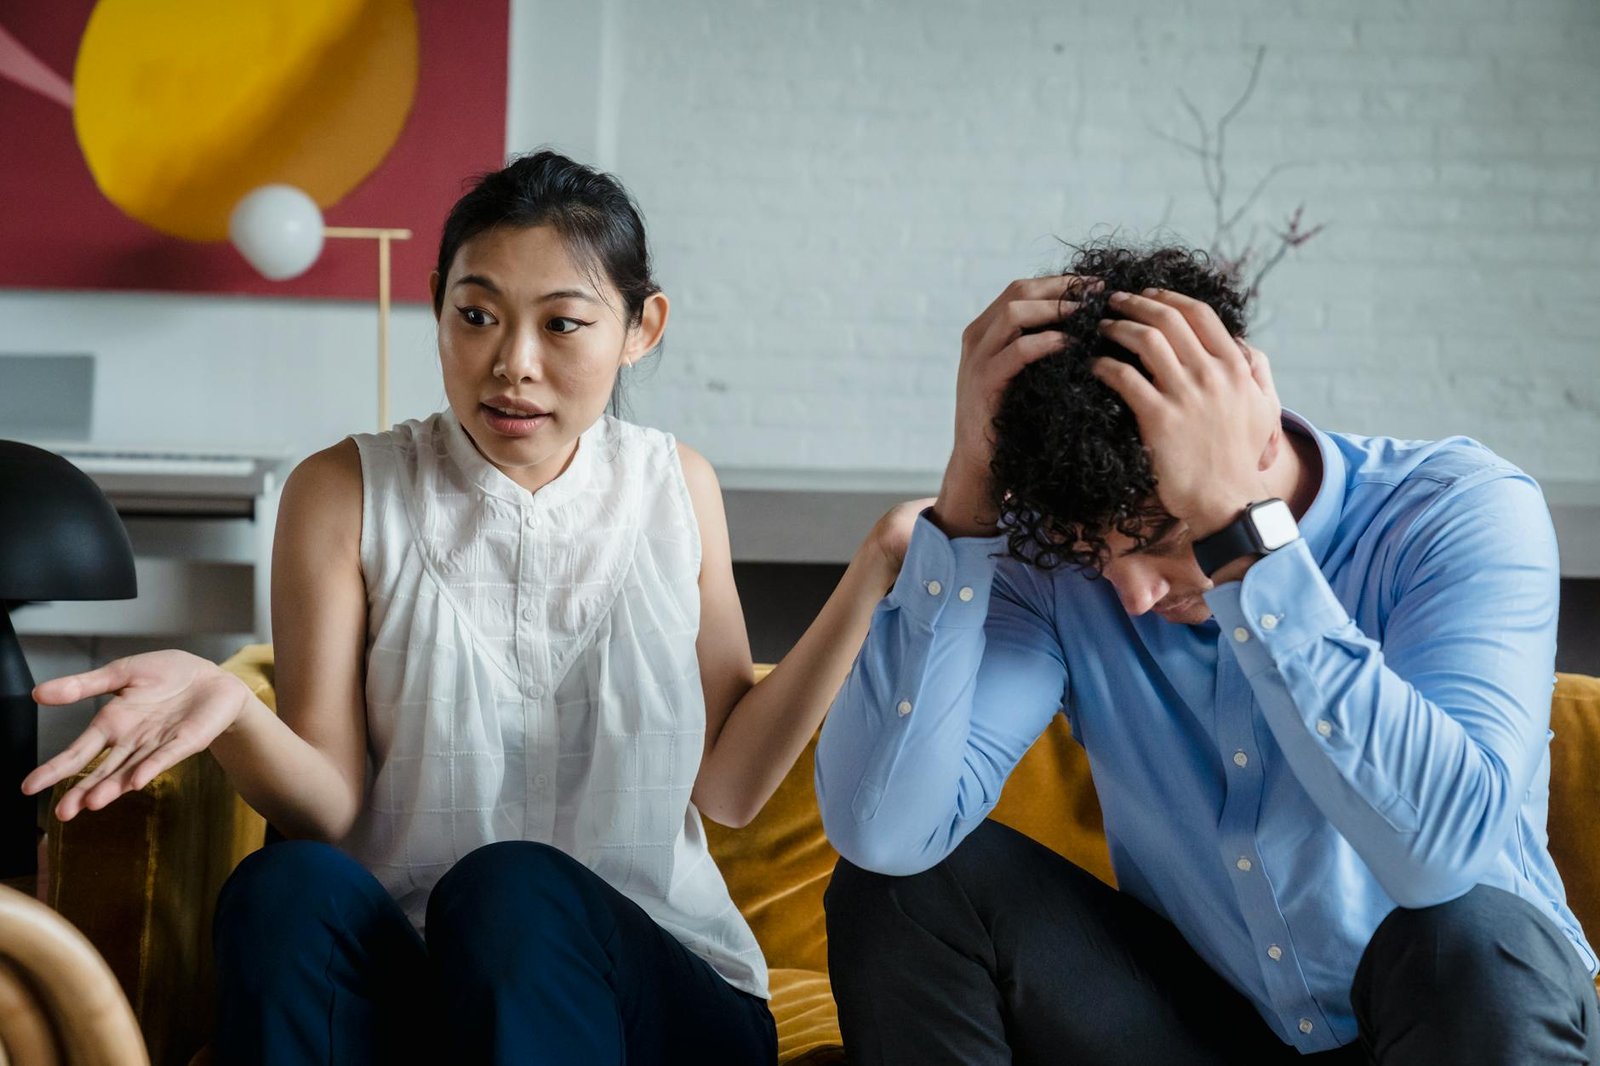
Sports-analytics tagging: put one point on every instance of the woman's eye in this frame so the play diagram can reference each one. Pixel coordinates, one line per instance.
(565, 325)
(475, 316)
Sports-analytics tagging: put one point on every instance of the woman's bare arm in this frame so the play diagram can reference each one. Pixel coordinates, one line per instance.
(305, 772)
(754, 732)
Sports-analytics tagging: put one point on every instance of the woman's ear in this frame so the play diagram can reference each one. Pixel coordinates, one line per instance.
(647, 332)
(433, 292)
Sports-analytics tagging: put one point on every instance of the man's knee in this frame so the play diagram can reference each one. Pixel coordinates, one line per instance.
(1468, 939)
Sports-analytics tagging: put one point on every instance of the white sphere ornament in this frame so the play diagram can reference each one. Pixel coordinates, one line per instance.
(278, 229)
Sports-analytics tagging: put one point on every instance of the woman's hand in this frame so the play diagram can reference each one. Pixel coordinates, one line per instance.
(891, 536)
(167, 706)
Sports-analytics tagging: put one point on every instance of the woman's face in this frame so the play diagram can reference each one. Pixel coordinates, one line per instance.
(530, 347)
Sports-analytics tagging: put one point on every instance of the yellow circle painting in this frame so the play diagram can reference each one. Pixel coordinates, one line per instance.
(184, 106)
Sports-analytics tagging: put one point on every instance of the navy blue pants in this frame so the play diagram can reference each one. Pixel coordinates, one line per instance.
(530, 958)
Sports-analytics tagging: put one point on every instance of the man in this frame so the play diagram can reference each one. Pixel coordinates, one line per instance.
(1312, 674)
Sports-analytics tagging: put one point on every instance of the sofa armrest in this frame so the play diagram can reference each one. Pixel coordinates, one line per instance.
(140, 878)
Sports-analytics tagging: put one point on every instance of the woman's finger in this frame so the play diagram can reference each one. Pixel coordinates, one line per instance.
(116, 784)
(115, 756)
(74, 757)
(159, 761)
(62, 690)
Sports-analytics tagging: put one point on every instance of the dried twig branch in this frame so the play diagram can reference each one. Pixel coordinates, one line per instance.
(1233, 255)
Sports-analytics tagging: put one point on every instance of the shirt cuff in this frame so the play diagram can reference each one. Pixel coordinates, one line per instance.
(946, 581)
(1283, 603)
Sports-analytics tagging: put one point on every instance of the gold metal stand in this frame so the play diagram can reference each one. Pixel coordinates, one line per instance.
(383, 237)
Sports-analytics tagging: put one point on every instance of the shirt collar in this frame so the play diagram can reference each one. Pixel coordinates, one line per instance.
(491, 480)
(1321, 520)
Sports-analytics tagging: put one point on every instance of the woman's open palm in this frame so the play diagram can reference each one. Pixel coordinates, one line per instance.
(166, 706)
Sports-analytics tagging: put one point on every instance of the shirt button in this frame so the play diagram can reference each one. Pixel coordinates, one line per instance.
(527, 614)
(1305, 1025)
(540, 781)
(934, 588)
(535, 691)
(1241, 634)
(530, 521)
(1243, 864)
(1269, 621)
(1324, 727)
(966, 595)
(1241, 759)
(1274, 953)
(904, 708)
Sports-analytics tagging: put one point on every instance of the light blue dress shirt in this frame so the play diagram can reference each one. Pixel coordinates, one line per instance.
(1363, 724)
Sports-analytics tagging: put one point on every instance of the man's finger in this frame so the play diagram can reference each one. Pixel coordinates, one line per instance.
(1029, 348)
(1152, 348)
(1139, 394)
(1016, 319)
(1169, 321)
(1260, 369)
(1202, 319)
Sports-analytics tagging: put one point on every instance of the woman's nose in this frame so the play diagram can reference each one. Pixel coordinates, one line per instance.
(519, 359)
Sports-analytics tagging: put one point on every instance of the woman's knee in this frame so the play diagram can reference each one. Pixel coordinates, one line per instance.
(513, 884)
(287, 907)
(295, 881)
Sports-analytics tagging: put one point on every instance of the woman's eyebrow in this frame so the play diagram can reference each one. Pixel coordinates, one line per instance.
(480, 281)
(568, 294)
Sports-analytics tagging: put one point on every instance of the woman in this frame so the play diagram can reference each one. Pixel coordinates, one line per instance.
(511, 671)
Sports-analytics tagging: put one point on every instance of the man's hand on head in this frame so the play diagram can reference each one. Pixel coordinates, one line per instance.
(1208, 413)
(1012, 332)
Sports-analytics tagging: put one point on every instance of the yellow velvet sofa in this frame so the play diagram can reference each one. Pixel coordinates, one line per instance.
(141, 876)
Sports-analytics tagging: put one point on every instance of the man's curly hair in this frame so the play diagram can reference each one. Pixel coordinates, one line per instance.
(1069, 465)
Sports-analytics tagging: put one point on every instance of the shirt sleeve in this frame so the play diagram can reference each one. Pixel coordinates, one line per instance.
(960, 673)
(1418, 742)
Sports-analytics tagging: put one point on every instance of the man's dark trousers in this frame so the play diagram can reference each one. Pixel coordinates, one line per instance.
(1007, 953)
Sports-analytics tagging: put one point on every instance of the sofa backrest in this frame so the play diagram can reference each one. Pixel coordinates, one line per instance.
(778, 866)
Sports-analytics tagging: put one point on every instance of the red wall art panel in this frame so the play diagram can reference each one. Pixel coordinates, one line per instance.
(130, 129)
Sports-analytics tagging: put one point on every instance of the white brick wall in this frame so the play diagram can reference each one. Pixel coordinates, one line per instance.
(834, 189)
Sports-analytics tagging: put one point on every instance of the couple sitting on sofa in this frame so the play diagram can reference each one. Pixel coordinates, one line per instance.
(1311, 671)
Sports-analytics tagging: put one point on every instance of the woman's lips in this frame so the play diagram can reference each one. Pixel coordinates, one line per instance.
(512, 425)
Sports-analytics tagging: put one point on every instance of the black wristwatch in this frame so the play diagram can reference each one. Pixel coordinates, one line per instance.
(1263, 528)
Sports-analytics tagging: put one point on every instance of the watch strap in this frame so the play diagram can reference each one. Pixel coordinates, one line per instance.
(1232, 541)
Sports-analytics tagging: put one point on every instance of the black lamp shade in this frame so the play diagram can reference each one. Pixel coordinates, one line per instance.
(60, 538)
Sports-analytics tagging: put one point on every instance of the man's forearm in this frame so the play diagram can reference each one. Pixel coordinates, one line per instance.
(1424, 779)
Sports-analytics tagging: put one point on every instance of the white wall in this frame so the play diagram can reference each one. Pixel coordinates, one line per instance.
(834, 189)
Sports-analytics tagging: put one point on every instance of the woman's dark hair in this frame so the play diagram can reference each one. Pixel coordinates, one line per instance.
(590, 209)
(1069, 465)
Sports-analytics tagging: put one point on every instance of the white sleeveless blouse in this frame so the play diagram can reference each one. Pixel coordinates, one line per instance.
(531, 673)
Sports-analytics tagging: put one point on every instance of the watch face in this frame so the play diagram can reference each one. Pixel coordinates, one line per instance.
(1274, 524)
